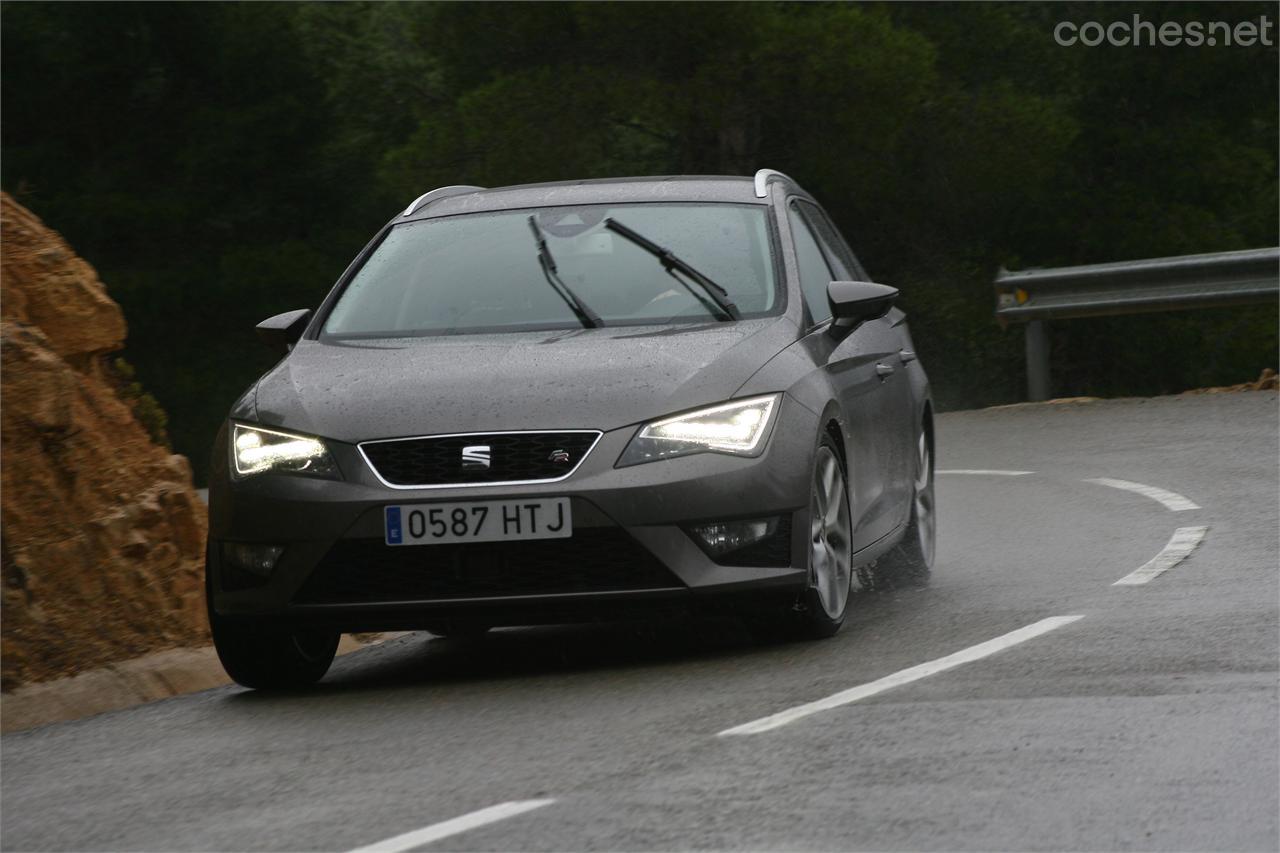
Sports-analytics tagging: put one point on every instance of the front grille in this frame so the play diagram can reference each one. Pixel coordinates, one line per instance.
(600, 559)
(512, 457)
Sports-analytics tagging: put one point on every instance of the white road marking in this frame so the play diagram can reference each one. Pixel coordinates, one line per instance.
(1181, 544)
(985, 471)
(902, 677)
(1171, 500)
(436, 831)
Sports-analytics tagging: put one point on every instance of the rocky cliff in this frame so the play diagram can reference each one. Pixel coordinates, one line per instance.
(101, 533)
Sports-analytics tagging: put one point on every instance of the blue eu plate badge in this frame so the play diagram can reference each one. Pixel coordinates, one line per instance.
(395, 535)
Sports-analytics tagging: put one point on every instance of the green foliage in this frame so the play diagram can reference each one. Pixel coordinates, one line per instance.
(219, 163)
(145, 407)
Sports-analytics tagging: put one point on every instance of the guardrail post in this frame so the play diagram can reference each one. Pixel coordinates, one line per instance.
(1037, 361)
(1036, 296)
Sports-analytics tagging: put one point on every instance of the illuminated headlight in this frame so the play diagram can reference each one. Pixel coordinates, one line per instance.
(740, 428)
(257, 451)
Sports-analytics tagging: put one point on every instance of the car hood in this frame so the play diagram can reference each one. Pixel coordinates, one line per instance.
(357, 390)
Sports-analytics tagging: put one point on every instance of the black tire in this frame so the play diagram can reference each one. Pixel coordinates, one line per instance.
(910, 562)
(821, 609)
(264, 656)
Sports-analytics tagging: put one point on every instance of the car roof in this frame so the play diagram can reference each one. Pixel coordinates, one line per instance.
(451, 201)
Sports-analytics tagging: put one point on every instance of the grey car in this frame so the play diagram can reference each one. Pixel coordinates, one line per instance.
(569, 401)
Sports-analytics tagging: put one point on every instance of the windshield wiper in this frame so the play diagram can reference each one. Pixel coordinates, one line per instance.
(720, 306)
(581, 310)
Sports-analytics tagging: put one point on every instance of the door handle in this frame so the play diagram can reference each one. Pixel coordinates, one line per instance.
(906, 355)
(883, 370)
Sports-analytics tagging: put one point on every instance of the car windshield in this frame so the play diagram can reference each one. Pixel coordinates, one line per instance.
(481, 273)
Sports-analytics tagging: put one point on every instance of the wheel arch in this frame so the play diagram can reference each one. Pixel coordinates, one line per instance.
(833, 424)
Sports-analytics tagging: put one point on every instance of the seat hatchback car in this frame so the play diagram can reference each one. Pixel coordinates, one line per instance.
(571, 401)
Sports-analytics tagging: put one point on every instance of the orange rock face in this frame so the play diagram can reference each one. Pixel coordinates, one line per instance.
(103, 534)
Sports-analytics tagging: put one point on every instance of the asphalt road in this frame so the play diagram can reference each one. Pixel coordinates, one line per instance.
(1151, 722)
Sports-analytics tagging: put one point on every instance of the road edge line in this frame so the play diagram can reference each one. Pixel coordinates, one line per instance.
(1180, 545)
(453, 826)
(1172, 501)
(906, 676)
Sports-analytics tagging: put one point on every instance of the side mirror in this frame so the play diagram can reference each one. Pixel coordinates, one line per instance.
(854, 302)
(283, 330)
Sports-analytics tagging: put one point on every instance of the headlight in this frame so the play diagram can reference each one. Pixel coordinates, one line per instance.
(257, 451)
(740, 428)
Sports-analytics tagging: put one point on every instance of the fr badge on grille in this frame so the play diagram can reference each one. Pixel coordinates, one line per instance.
(561, 456)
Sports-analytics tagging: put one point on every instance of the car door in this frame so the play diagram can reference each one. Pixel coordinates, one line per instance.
(851, 364)
(900, 409)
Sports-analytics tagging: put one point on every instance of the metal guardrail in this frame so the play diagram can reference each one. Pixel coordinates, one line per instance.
(1128, 287)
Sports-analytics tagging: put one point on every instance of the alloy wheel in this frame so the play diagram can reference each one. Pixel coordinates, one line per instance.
(829, 535)
(926, 520)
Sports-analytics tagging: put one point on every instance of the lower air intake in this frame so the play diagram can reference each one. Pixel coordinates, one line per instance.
(364, 571)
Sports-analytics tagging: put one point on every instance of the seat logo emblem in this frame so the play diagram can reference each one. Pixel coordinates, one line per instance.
(558, 456)
(475, 456)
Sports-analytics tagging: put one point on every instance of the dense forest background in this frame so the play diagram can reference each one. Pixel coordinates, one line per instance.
(221, 162)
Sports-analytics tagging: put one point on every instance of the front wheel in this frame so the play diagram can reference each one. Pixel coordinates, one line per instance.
(825, 602)
(821, 608)
(263, 656)
(271, 658)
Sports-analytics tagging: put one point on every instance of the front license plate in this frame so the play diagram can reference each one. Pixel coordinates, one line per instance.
(478, 521)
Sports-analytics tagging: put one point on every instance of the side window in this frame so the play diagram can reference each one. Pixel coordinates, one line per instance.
(815, 274)
(833, 244)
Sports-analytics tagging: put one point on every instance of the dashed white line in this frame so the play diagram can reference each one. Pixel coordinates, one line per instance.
(1171, 500)
(984, 471)
(1181, 544)
(454, 826)
(905, 676)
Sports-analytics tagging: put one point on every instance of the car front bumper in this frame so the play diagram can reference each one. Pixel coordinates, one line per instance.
(631, 543)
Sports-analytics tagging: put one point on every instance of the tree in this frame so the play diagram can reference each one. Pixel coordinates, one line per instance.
(223, 162)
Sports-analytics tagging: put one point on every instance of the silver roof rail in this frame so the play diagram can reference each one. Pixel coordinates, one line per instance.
(439, 192)
(762, 181)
